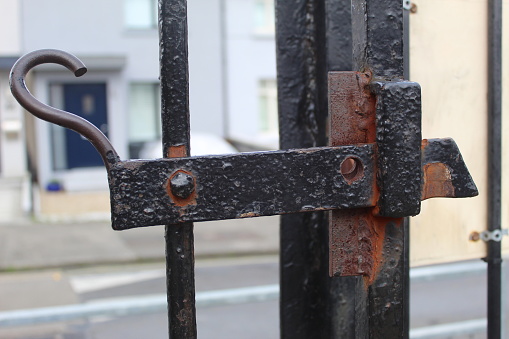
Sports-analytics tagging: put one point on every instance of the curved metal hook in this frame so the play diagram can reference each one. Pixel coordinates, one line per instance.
(51, 114)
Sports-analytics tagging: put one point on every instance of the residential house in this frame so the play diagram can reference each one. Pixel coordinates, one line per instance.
(232, 87)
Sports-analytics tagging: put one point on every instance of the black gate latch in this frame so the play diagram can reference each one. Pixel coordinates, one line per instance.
(376, 163)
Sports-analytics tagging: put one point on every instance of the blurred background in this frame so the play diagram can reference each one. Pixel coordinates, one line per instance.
(56, 245)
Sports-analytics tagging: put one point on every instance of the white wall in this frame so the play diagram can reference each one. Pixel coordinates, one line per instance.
(251, 57)
(96, 28)
(12, 154)
(10, 42)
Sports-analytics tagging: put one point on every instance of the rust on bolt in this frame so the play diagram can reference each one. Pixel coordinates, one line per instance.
(181, 187)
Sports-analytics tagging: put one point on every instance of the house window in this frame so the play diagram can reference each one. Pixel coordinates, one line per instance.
(264, 17)
(144, 116)
(140, 14)
(268, 107)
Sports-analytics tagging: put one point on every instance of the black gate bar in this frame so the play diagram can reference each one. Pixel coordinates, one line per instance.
(494, 257)
(305, 301)
(174, 77)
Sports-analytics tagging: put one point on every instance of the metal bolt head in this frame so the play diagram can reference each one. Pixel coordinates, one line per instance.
(182, 185)
(475, 236)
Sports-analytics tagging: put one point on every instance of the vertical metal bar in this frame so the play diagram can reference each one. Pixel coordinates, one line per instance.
(494, 258)
(406, 45)
(347, 295)
(174, 77)
(339, 35)
(378, 48)
(302, 95)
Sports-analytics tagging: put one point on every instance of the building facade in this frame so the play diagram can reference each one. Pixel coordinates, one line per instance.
(232, 87)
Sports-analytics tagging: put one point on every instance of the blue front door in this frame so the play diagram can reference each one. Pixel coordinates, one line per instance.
(89, 102)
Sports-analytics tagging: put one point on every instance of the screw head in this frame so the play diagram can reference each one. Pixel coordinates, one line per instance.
(182, 185)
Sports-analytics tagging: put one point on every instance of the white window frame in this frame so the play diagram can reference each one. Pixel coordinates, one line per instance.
(150, 22)
(267, 25)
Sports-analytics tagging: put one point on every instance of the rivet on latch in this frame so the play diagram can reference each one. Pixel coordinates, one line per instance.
(182, 184)
(486, 236)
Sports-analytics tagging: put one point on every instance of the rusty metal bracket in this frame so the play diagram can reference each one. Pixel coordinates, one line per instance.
(408, 169)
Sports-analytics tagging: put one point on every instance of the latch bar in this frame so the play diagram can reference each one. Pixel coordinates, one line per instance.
(170, 191)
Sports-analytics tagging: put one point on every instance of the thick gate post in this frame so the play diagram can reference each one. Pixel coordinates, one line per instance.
(378, 49)
(302, 95)
(313, 37)
(310, 43)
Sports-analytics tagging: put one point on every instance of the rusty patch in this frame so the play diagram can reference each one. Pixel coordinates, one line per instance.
(356, 236)
(352, 108)
(352, 169)
(356, 243)
(177, 151)
(249, 215)
(437, 181)
(190, 200)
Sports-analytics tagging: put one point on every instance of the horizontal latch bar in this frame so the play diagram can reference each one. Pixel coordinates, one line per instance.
(170, 191)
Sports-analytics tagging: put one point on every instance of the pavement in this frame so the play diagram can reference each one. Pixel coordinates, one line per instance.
(63, 264)
(31, 245)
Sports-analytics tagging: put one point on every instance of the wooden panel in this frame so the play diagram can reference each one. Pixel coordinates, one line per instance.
(448, 57)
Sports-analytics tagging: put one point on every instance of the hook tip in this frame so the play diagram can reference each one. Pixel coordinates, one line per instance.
(80, 71)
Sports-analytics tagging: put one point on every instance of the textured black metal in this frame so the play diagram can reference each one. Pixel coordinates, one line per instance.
(446, 152)
(305, 302)
(377, 35)
(240, 185)
(174, 76)
(389, 294)
(398, 136)
(347, 295)
(182, 185)
(56, 116)
(377, 27)
(339, 35)
(494, 257)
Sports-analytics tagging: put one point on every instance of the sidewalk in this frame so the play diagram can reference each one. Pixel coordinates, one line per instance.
(36, 245)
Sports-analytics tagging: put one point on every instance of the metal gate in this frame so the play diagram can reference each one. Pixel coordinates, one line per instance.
(351, 169)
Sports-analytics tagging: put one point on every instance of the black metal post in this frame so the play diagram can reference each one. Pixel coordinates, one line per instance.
(174, 77)
(310, 43)
(378, 48)
(302, 95)
(348, 295)
(494, 257)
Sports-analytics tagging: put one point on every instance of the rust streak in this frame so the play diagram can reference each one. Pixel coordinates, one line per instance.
(437, 181)
(353, 105)
(356, 236)
(249, 215)
(176, 151)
